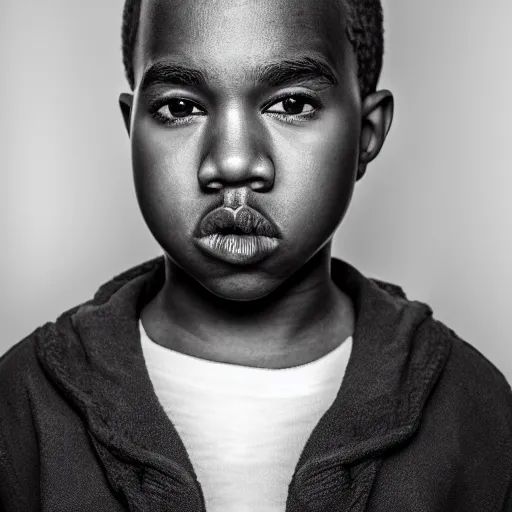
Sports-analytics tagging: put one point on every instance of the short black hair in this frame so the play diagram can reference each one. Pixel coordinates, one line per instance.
(364, 30)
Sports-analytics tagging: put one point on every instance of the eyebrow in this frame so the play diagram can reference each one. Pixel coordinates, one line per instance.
(168, 73)
(275, 74)
(293, 71)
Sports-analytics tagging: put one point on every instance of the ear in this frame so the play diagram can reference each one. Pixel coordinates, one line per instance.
(125, 103)
(377, 113)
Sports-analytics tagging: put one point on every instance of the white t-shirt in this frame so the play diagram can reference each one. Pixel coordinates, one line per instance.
(244, 428)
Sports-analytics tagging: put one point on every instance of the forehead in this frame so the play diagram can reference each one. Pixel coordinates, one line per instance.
(233, 35)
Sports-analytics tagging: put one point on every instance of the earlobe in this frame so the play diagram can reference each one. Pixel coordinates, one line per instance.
(125, 103)
(377, 116)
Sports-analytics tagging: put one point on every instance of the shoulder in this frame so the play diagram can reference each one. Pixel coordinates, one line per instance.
(22, 380)
(468, 377)
(20, 360)
(468, 422)
(17, 365)
(477, 377)
(463, 444)
(472, 395)
(24, 384)
(20, 375)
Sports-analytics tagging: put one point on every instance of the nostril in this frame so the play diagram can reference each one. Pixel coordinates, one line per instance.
(214, 185)
(258, 185)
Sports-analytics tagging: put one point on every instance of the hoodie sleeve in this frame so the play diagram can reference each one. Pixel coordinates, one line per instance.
(508, 500)
(10, 496)
(19, 452)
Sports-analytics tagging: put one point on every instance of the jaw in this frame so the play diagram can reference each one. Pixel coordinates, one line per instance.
(268, 281)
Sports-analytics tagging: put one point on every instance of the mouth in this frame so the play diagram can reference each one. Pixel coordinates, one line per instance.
(240, 237)
(238, 249)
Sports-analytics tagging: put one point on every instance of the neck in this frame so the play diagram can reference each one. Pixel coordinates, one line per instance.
(306, 317)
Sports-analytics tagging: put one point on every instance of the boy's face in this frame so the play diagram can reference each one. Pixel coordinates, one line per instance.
(244, 104)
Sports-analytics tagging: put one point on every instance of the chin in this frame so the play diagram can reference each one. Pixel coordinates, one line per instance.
(241, 288)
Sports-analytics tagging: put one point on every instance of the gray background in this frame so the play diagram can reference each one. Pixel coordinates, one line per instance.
(432, 214)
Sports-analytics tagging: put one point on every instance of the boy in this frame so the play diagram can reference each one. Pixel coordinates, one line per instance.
(246, 369)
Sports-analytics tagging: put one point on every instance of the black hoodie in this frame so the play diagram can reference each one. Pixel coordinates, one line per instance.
(422, 421)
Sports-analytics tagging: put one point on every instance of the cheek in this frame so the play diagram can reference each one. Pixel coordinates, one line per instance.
(165, 181)
(320, 170)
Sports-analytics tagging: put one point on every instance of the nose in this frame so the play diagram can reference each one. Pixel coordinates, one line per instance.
(236, 153)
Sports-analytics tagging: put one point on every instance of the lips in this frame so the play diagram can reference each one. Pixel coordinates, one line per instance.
(240, 237)
(243, 221)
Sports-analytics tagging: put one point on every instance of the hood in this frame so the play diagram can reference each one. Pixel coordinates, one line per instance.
(92, 353)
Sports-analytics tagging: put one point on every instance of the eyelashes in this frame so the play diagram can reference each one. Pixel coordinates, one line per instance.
(291, 108)
(294, 108)
(176, 111)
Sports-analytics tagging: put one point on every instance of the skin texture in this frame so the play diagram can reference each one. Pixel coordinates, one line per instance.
(240, 146)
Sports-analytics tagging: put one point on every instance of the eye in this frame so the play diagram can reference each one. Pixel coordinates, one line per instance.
(293, 105)
(177, 108)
